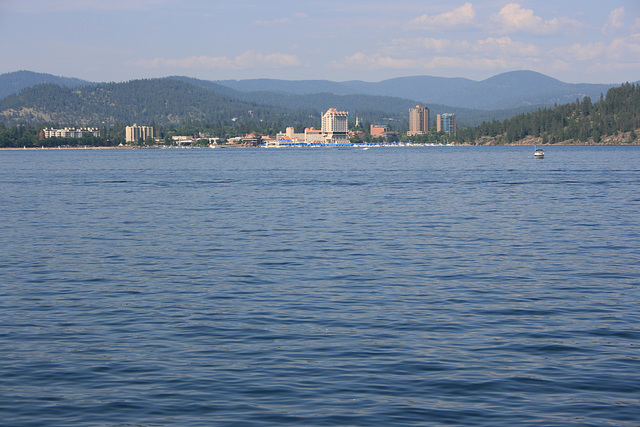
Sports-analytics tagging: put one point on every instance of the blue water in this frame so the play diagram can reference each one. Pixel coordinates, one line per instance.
(392, 286)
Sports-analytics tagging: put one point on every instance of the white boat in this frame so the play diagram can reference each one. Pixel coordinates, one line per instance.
(539, 153)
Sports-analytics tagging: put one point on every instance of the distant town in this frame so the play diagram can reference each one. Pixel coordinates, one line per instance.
(334, 131)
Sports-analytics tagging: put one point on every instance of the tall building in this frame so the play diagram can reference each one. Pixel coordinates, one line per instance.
(135, 132)
(335, 126)
(418, 120)
(446, 122)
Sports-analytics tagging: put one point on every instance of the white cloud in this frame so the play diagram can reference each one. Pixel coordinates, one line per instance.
(489, 46)
(361, 60)
(417, 45)
(618, 51)
(513, 18)
(624, 51)
(614, 22)
(621, 56)
(461, 16)
(247, 60)
(504, 45)
(582, 52)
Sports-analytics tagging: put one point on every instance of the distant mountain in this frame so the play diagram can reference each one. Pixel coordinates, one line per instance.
(34, 97)
(504, 91)
(373, 108)
(296, 87)
(11, 83)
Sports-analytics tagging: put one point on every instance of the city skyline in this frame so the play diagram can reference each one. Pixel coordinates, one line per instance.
(96, 40)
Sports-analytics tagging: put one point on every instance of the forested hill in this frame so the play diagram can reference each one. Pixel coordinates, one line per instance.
(613, 119)
(145, 101)
(14, 82)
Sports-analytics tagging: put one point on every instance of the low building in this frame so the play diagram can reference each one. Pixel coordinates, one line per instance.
(252, 140)
(377, 130)
(290, 137)
(383, 132)
(69, 132)
(314, 136)
(182, 140)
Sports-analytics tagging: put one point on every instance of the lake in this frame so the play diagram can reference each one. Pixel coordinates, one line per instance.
(471, 286)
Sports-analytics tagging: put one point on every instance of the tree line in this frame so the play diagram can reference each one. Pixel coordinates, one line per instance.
(581, 121)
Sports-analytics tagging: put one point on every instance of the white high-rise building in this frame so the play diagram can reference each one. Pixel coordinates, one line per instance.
(335, 126)
(135, 132)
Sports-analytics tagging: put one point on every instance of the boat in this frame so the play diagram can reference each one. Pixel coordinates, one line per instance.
(539, 153)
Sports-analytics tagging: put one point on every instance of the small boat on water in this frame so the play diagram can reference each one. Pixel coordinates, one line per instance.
(539, 153)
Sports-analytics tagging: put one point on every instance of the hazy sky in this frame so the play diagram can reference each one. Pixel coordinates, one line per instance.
(116, 40)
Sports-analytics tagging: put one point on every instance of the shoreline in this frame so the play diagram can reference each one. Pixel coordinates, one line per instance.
(388, 145)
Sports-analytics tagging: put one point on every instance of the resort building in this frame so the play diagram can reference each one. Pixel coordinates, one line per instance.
(68, 132)
(335, 126)
(447, 123)
(314, 136)
(335, 130)
(135, 133)
(418, 120)
(291, 137)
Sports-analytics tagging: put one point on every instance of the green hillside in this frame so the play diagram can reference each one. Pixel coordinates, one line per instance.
(613, 119)
(143, 101)
(14, 82)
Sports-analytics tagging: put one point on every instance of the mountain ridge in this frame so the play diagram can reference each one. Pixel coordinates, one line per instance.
(508, 90)
(175, 98)
(15, 81)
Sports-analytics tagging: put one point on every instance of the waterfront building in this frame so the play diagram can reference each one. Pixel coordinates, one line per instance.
(383, 132)
(418, 120)
(69, 132)
(335, 126)
(447, 123)
(135, 133)
(377, 130)
(313, 136)
(290, 136)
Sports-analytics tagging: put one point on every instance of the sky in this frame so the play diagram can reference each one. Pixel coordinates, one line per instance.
(576, 41)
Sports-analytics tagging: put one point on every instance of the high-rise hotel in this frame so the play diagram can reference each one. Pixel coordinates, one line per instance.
(335, 126)
(135, 133)
(418, 120)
